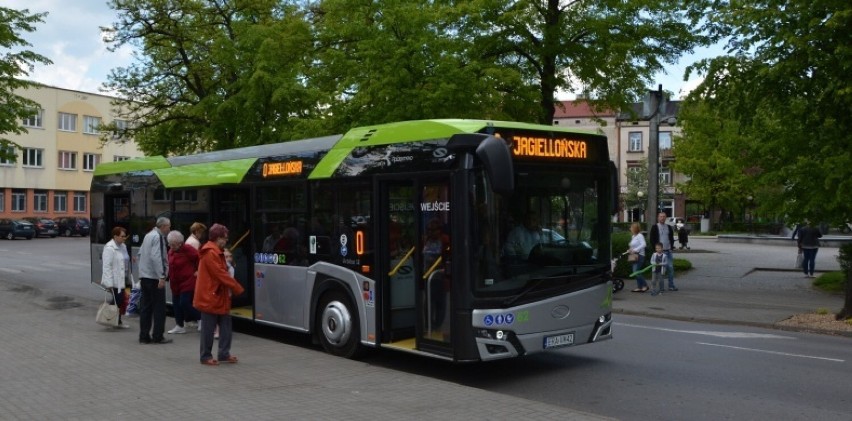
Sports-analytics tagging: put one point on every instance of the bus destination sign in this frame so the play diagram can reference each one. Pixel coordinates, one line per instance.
(273, 169)
(548, 147)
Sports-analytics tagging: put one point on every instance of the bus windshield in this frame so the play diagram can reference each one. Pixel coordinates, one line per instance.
(547, 233)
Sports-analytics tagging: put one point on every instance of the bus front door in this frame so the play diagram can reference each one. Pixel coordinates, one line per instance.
(416, 214)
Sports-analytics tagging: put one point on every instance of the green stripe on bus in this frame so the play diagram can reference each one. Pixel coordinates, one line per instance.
(414, 131)
(205, 174)
(138, 164)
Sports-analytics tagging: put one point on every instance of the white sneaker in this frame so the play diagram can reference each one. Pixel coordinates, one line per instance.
(177, 329)
(123, 326)
(199, 325)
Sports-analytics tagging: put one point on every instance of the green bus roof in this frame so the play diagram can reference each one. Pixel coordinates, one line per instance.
(136, 164)
(205, 174)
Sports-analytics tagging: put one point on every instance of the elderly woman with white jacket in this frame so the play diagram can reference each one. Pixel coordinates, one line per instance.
(116, 260)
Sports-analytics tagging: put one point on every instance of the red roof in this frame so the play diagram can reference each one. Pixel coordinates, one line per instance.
(579, 108)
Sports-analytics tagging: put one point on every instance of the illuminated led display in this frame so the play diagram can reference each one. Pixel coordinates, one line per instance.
(271, 169)
(545, 147)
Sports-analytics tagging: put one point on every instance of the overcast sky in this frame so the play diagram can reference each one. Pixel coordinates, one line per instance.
(70, 37)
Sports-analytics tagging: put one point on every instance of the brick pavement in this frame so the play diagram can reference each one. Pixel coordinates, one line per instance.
(57, 364)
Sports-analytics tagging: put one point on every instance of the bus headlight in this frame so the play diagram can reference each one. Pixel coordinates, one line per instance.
(494, 335)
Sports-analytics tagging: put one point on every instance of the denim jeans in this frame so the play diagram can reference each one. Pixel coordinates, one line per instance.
(809, 260)
(669, 268)
(184, 312)
(637, 265)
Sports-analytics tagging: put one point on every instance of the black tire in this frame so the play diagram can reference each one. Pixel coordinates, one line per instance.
(617, 285)
(338, 325)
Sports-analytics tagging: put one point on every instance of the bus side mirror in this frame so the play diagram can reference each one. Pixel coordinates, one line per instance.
(495, 157)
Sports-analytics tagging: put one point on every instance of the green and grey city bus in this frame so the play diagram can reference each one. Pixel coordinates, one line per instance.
(393, 236)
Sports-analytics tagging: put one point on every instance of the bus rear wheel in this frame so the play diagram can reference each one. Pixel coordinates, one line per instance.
(339, 327)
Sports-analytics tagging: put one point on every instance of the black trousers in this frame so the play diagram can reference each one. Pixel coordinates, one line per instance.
(152, 310)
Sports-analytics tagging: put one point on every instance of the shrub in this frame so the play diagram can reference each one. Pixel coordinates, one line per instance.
(831, 282)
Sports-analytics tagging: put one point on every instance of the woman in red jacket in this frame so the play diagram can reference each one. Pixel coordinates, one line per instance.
(213, 290)
(183, 267)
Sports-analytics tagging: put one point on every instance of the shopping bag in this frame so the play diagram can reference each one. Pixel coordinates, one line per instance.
(633, 257)
(107, 313)
(799, 258)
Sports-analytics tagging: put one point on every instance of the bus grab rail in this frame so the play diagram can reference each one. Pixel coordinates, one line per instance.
(432, 268)
(401, 261)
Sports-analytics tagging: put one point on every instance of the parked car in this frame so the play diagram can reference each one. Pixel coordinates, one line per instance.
(12, 228)
(44, 227)
(69, 226)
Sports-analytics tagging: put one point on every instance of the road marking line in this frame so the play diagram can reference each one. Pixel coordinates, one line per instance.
(786, 354)
(10, 270)
(718, 334)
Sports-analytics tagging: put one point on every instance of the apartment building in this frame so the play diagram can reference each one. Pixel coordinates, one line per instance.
(628, 134)
(52, 174)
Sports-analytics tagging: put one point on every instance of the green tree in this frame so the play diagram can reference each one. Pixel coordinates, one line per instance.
(16, 62)
(715, 156)
(391, 60)
(608, 50)
(788, 86)
(212, 75)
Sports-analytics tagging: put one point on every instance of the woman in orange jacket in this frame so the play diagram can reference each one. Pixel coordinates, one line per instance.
(213, 290)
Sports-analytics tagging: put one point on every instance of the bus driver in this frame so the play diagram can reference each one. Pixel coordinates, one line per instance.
(523, 238)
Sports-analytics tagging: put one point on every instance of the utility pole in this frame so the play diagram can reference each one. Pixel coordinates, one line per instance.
(651, 108)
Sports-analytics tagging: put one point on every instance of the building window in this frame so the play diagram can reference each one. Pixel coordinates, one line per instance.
(68, 122)
(40, 201)
(79, 202)
(2, 201)
(60, 202)
(10, 151)
(67, 160)
(665, 176)
(19, 200)
(32, 157)
(120, 128)
(118, 158)
(91, 125)
(665, 140)
(634, 142)
(90, 161)
(163, 195)
(34, 120)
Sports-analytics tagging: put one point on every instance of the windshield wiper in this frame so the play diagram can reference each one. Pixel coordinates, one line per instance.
(535, 283)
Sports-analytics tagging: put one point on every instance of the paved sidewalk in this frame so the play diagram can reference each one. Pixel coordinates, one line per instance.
(738, 283)
(57, 364)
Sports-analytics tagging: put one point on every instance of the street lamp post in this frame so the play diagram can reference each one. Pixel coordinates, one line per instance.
(750, 215)
(639, 194)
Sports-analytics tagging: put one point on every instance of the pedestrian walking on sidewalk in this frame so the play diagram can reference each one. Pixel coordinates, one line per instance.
(637, 247)
(153, 269)
(114, 271)
(809, 236)
(664, 234)
(213, 290)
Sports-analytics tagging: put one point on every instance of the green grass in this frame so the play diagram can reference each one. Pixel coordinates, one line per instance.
(834, 282)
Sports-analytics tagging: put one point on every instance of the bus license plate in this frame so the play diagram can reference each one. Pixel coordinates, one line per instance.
(558, 340)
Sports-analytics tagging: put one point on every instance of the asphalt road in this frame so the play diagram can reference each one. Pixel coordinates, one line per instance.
(654, 369)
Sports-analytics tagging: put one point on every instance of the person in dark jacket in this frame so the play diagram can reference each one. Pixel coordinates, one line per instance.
(213, 290)
(664, 234)
(809, 236)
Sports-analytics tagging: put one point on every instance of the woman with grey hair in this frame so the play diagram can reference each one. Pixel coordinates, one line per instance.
(183, 269)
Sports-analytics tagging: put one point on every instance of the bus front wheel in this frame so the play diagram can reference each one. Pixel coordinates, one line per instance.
(339, 329)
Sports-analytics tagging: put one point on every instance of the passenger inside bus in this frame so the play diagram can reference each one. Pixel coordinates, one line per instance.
(436, 247)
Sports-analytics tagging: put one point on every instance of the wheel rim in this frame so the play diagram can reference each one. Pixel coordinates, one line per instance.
(336, 323)
(10, 236)
(67, 233)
